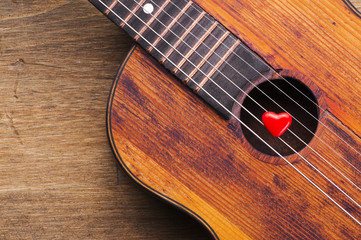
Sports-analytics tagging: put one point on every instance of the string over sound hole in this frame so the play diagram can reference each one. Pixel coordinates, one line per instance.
(303, 108)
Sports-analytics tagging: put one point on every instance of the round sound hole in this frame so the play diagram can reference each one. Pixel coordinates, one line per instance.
(303, 108)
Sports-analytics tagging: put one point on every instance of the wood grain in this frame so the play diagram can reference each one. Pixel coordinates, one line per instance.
(58, 177)
(217, 176)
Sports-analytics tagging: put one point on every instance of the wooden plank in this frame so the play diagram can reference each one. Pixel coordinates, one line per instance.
(58, 177)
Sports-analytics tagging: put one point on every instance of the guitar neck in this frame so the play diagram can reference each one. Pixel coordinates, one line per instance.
(191, 44)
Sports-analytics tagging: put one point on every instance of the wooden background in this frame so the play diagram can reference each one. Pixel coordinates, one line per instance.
(58, 176)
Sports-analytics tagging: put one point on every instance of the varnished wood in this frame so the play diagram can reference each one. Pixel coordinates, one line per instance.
(214, 177)
(199, 52)
(175, 146)
(57, 173)
(355, 5)
(301, 36)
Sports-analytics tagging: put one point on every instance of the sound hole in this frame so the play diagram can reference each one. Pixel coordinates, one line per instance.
(304, 110)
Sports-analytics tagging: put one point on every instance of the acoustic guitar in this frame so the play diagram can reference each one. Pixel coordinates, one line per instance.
(245, 114)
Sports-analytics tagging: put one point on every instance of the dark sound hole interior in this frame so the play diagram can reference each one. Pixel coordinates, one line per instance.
(304, 123)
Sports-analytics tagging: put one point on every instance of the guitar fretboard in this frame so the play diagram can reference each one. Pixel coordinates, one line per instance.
(189, 43)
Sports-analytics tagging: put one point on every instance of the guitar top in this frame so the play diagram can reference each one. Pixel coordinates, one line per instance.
(245, 114)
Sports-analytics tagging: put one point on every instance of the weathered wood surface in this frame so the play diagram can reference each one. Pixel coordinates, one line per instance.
(58, 177)
(217, 176)
(178, 148)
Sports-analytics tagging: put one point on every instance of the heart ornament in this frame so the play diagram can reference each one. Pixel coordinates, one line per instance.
(276, 124)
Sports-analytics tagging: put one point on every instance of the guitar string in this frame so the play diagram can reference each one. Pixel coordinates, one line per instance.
(258, 57)
(300, 139)
(253, 101)
(302, 174)
(249, 111)
(271, 69)
(243, 107)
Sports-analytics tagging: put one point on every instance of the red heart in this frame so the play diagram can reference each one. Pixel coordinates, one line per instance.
(276, 124)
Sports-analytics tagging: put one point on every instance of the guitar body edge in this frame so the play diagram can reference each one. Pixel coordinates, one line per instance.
(176, 146)
(124, 165)
(173, 144)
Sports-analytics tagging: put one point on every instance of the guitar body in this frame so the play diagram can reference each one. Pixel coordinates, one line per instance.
(173, 144)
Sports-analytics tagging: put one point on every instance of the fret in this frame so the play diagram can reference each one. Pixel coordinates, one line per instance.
(196, 68)
(152, 19)
(181, 38)
(139, 25)
(239, 69)
(111, 7)
(102, 6)
(198, 43)
(114, 9)
(217, 66)
(174, 21)
(194, 46)
(206, 57)
(165, 19)
(171, 36)
(181, 47)
(131, 14)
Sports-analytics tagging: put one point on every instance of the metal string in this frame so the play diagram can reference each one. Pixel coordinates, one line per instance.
(243, 107)
(300, 139)
(249, 111)
(231, 112)
(246, 109)
(255, 55)
(259, 106)
(264, 92)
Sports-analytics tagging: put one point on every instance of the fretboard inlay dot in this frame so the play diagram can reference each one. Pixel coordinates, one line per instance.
(191, 44)
(148, 8)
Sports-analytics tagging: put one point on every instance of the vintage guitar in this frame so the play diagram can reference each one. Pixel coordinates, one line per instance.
(266, 144)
